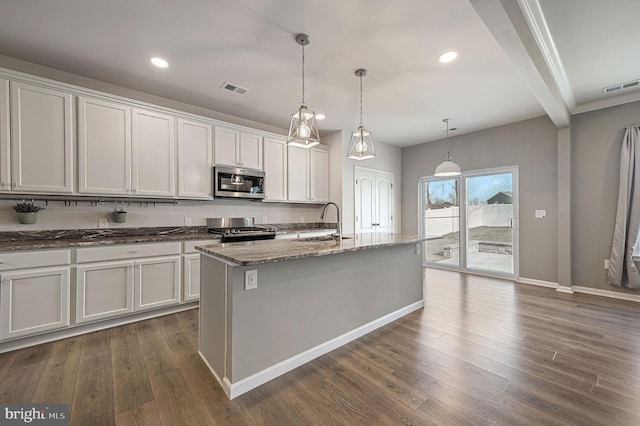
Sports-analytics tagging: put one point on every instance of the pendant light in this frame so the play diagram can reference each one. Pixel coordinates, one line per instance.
(303, 131)
(447, 167)
(361, 145)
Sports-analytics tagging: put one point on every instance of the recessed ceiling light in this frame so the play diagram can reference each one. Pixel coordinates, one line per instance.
(320, 117)
(448, 56)
(159, 62)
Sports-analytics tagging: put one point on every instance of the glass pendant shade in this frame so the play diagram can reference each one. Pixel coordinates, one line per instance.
(303, 131)
(361, 145)
(447, 168)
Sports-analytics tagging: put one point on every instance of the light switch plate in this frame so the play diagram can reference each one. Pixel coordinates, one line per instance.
(541, 214)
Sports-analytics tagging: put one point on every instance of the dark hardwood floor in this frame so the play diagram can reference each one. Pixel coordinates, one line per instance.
(483, 351)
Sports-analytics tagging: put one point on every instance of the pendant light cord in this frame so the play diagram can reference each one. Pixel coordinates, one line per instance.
(302, 73)
(360, 100)
(447, 120)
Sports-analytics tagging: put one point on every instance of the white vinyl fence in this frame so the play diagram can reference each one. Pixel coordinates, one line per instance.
(444, 221)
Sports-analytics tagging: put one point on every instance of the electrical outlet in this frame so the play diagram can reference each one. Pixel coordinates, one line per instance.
(606, 264)
(251, 279)
(103, 222)
(301, 219)
(264, 219)
(187, 221)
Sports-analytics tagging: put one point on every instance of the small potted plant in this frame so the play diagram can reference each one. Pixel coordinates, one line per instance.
(27, 212)
(119, 215)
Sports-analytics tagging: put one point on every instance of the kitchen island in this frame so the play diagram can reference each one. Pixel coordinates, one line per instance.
(310, 297)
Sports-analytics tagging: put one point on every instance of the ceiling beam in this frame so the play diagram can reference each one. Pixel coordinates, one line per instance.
(531, 51)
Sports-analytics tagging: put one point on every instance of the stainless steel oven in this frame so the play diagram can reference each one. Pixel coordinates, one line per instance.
(231, 182)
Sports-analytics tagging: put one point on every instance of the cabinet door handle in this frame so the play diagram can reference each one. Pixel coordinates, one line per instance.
(15, 184)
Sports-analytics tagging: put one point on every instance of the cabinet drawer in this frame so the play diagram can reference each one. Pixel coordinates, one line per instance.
(190, 246)
(129, 251)
(34, 259)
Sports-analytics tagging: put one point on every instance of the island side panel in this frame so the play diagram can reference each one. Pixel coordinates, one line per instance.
(300, 304)
(212, 331)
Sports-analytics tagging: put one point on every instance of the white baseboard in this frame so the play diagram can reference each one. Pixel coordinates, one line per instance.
(539, 283)
(565, 289)
(238, 388)
(607, 293)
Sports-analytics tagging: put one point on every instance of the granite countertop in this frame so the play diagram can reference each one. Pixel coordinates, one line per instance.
(260, 252)
(70, 238)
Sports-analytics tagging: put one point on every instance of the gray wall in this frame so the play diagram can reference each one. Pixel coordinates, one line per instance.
(532, 146)
(596, 138)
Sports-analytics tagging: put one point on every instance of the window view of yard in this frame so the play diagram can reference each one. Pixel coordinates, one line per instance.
(489, 237)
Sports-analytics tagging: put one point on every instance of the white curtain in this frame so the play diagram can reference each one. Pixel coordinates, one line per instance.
(622, 269)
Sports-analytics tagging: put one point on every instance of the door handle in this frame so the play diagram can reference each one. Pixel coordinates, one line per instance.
(514, 223)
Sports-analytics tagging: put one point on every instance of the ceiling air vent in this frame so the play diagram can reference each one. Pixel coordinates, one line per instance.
(234, 88)
(622, 86)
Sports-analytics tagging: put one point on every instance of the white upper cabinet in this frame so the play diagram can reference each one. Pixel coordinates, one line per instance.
(237, 149)
(226, 151)
(153, 154)
(297, 174)
(41, 139)
(308, 174)
(194, 159)
(251, 150)
(275, 169)
(318, 174)
(104, 147)
(5, 152)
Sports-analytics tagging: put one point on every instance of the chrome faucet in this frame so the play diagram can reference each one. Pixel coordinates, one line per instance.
(338, 233)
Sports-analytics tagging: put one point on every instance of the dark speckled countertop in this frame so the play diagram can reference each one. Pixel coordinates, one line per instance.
(69, 238)
(260, 252)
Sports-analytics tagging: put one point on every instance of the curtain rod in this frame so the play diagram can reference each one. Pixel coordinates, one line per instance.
(631, 125)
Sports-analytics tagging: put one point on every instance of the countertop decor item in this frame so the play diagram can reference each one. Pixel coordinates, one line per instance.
(119, 216)
(27, 212)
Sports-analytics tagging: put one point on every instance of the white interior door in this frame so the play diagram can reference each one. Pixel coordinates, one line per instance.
(373, 200)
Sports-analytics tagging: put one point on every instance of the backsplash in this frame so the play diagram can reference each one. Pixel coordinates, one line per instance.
(58, 216)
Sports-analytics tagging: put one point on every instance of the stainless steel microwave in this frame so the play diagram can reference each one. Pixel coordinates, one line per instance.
(231, 182)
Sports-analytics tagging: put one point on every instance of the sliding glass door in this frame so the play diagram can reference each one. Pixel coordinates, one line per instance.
(487, 215)
(441, 221)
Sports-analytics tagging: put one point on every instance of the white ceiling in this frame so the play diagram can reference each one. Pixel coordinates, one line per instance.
(518, 58)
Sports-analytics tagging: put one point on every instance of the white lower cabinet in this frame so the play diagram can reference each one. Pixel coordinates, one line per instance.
(34, 301)
(156, 282)
(191, 269)
(118, 280)
(190, 277)
(40, 289)
(103, 290)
